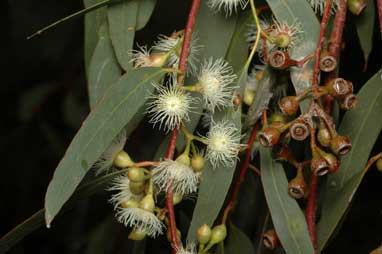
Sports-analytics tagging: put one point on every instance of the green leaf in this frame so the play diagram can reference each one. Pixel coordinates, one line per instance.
(36, 221)
(299, 10)
(146, 8)
(104, 68)
(288, 219)
(214, 185)
(122, 18)
(362, 125)
(237, 242)
(117, 108)
(365, 28)
(93, 21)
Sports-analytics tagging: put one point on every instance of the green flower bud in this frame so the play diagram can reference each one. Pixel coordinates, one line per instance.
(249, 96)
(203, 234)
(176, 198)
(197, 163)
(123, 160)
(137, 187)
(147, 203)
(184, 159)
(218, 234)
(137, 234)
(136, 174)
(131, 203)
(378, 164)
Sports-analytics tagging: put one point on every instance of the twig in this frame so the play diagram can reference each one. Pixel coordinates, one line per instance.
(379, 10)
(172, 144)
(337, 30)
(371, 161)
(311, 207)
(236, 187)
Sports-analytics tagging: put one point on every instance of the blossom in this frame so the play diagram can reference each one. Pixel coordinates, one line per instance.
(251, 35)
(142, 57)
(183, 179)
(319, 5)
(190, 249)
(105, 162)
(227, 5)
(169, 106)
(214, 79)
(287, 35)
(223, 143)
(174, 44)
(141, 219)
(122, 185)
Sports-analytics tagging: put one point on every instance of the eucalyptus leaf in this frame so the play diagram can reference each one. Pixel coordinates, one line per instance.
(93, 22)
(214, 185)
(36, 221)
(237, 242)
(104, 68)
(362, 125)
(365, 28)
(122, 17)
(288, 219)
(291, 11)
(117, 108)
(146, 8)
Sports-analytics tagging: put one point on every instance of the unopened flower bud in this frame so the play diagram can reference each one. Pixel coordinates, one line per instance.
(137, 234)
(277, 118)
(197, 162)
(378, 164)
(349, 102)
(218, 234)
(340, 87)
(131, 203)
(299, 130)
(249, 96)
(184, 159)
(137, 187)
(289, 105)
(123, 160)
(356, 6)
(203, 234)
(158, 59)
(297, 187)
(271, 240)
(323, 135)
(168, 234)
(136, 174)
(176, 198)
(279, 60)
(147, 203)
(328, 63)
(269, 136)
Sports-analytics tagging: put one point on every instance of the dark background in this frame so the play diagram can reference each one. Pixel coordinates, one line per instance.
(44, 100)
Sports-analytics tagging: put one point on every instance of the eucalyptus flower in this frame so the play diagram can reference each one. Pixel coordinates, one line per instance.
(319, 6)
(228, 5)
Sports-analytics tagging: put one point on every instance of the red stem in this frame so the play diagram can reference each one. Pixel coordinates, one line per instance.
(337, 30)
(310, 212)
(324, 23)
(236, 187)
(172, 144)
(379, 10)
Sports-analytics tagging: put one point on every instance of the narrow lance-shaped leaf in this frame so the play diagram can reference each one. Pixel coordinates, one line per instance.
(146, 8)
(362, 125)
(365, 28)
(93, 21)
(117, 108)
(299, 11)
(104, 68)
(122, 17)
(288, 218)
(214, 185)
(36, 221)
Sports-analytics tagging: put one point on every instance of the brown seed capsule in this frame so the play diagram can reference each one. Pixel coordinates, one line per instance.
(299, 130)
(356, 6)
(283, 153)
(349, 102)
(340, 87)
(340, 145)
(319, 165)
(332, 160)
(297, 187)
(279, 60)
(328, 63)
(323, 135)
(289, 105)
(271, 240)
(269, 136)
